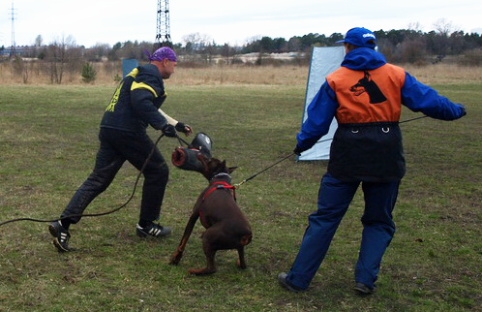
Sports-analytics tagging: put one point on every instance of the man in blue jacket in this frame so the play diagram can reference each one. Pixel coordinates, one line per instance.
(365, 95)
(134, 106)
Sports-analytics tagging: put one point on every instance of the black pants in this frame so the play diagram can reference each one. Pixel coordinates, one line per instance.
(115, 148)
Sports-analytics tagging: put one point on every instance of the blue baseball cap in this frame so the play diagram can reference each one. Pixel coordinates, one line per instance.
(360, 37)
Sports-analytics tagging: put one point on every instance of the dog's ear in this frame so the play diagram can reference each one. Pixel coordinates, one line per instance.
(231, 169)
(204, 162)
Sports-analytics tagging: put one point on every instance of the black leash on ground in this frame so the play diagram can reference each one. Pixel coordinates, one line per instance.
(101, 213)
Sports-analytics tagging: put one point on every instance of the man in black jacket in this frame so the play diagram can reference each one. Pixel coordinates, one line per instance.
(134, 106)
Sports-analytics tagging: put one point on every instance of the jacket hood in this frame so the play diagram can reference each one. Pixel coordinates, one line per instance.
(149, 69)
(363, 59)
(150, 75)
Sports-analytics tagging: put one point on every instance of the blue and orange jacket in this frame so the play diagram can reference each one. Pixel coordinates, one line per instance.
(135, 102)
(366, 95)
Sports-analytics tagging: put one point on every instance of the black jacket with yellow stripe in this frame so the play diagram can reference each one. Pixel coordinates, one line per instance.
(135, 102)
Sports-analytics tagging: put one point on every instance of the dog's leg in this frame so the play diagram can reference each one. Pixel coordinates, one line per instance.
(245, 240)
(177, 255)
(241, 261)
(209, 269)
(210, 252)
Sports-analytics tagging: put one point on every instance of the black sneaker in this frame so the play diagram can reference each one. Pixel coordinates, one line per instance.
(363, 289)
(283, 282)
(154, 230)
(62, 236)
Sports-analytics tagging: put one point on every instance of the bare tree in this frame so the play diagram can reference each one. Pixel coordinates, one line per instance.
(197, 41)
(415, 26)
(23, 68)
(294, 44)
(59, 54)
(444, 27)
(228, 52)
(97, 52)
(38, 41)
(441, 42)
(412, 50)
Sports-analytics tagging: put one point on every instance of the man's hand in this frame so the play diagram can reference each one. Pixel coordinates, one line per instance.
(181, 127)
(297, 151)
(169, 131)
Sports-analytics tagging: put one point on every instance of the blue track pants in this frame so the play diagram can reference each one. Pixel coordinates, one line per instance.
(334, 197)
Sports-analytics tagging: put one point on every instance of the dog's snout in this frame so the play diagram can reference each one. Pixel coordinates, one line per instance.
(178, 157)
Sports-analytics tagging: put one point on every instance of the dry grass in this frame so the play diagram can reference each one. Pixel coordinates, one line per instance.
(289, 75)
(446, 73)
(297, 75)
(263, 75)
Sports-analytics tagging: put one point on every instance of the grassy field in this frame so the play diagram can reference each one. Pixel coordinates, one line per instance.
(48, 140)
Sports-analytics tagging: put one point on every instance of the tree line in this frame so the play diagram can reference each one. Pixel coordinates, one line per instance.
(399, 46)
(403, 45)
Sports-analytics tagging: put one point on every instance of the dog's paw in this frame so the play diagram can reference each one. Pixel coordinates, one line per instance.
(241, 264)
(204, 271)
(176, 258)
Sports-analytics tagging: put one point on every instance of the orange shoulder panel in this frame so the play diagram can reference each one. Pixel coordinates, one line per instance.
(368, 96)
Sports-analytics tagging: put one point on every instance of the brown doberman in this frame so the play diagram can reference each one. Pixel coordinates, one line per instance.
(216, 207)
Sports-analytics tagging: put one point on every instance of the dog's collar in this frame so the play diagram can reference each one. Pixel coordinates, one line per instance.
(220, 175)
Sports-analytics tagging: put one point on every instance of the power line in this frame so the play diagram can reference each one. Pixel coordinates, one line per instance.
(12, 15)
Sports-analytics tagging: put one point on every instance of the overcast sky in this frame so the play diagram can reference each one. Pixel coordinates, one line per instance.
(223, 21)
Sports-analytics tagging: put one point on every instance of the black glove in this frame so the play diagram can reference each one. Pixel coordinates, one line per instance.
(297, 150)
(169, 131)
(181, 127)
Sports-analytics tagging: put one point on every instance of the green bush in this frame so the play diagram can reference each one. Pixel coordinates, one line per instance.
(88, 73)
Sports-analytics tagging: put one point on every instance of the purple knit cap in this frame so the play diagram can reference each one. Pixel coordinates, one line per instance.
(161, 54)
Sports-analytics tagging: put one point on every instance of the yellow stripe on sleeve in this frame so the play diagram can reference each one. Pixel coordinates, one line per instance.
(142, 85)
